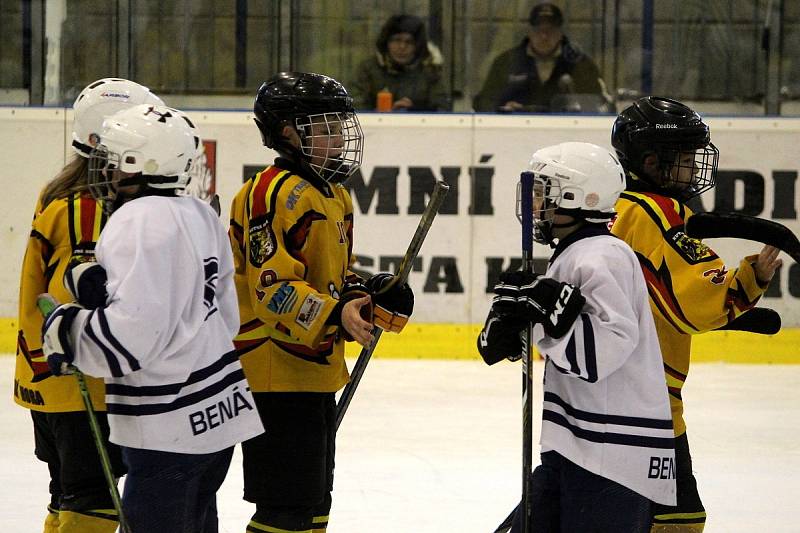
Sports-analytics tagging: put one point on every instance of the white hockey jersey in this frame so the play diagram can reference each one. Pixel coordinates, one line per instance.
(605, 399)
(164, 341)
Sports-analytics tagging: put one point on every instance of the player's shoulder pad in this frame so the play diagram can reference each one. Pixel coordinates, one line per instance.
(665, 212)
(271, 190)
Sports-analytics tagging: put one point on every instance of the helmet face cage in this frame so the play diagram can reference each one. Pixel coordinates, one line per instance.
(688, 176)
(102, 165)
(332, 144)
(546, 200)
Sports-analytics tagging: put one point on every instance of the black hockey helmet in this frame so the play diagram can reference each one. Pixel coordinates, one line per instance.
(666, 128)
(299, 99)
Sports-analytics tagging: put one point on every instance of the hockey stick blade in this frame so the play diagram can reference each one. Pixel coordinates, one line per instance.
(438, 195)
(734, 225)
(759, 320)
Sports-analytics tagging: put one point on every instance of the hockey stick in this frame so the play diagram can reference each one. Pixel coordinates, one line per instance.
(46, 304)
(437, 197)
(526, 218)
(711, 225)
(759, 320)
(526, 212)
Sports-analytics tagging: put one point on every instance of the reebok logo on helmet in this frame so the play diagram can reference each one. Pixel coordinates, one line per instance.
(669, 126)
(109, 94)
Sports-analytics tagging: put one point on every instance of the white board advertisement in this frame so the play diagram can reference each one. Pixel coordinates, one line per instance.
(476, 234)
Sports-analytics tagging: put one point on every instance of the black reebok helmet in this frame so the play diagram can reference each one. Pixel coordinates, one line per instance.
(671, 131)
(322, 112)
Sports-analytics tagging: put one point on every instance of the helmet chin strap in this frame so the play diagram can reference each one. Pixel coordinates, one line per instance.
(548, 231)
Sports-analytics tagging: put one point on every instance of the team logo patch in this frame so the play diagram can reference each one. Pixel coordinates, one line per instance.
(691, 248)
(283, 300)
(592, 199)
(295, 194)
(309, 311)
(262, 242)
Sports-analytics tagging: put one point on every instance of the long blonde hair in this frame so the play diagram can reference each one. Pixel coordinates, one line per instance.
(72, 179)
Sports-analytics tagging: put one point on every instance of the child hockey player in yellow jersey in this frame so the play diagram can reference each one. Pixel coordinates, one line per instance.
(292, 237)
(66, 226)
(667, 153)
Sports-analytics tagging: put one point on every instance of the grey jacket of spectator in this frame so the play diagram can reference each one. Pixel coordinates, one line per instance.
(421, 81)
(513, 77)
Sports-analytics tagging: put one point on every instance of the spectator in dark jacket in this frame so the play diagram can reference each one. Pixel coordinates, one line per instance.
(545, 65)
(407, 65)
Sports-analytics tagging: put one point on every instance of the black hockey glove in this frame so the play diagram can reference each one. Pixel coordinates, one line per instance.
(86, 282)
(56, 341)
(554, 304)
(508, 292)
(499, 339)
(393, 302)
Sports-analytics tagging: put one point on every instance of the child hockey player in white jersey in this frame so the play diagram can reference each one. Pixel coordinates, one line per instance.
(607, 446)
(162, 338)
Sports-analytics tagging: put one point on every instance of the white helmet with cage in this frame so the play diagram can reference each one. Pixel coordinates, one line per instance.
(152, 145)
(99, 100)
(579, 179)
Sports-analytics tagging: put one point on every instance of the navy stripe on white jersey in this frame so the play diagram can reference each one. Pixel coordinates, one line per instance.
(608, 437)
(112, 349)
(607, 419)
(581, 352)
(608, 428)
(197, 376)
(153, 399)
(186, 399)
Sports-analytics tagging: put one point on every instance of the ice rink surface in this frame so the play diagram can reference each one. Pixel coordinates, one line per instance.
(434, 446)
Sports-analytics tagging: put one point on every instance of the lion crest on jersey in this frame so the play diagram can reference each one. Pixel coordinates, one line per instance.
(262, 242)
(692, 249)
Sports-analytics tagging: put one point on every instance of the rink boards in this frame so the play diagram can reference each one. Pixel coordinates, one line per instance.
(476, 234)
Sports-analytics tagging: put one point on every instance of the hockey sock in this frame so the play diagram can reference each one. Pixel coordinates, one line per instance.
(51, 521)
(320, 524)
(89, 521)
(678, 528)
(258, 527)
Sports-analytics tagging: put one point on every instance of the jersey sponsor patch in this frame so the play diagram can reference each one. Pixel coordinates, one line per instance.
(262, 242)
(283, 300)
(295, 194)
(309, 311)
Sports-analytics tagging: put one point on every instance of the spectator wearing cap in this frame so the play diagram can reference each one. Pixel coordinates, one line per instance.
(407, 65)
(544, 65)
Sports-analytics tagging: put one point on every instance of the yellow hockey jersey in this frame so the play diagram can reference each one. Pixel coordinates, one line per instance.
(292, 247)
(691, 290)
(64, 232)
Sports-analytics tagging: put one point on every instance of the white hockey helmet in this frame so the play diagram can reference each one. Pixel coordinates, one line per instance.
(154, 144)
(101, 99)
(579, 179)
